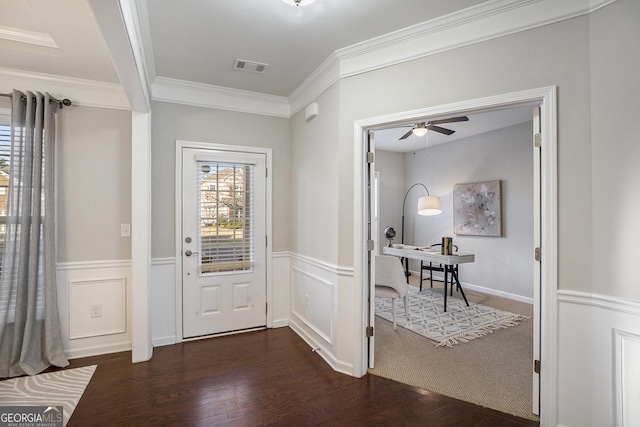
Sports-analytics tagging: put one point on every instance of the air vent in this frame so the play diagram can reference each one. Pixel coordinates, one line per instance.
(250, 66)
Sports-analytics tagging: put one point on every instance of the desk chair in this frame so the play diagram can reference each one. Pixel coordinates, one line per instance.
(390, 282)
(431, 267)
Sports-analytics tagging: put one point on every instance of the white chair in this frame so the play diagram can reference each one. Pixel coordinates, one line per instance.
(391, 282)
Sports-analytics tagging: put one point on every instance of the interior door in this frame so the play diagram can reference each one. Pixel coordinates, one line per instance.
(372, 227)
(223, 241)
(537, 268)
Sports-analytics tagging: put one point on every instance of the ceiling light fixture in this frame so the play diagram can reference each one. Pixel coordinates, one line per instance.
(299, 2)
(420, 129)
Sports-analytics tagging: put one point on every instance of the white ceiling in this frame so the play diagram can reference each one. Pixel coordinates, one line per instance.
(198, 40)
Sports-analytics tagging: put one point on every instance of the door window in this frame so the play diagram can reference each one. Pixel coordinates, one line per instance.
(226, 217)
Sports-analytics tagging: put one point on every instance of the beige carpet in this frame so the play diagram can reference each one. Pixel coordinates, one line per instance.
(60, 388)
(493, 371)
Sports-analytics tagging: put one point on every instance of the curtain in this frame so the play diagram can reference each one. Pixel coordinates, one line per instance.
(30, 338)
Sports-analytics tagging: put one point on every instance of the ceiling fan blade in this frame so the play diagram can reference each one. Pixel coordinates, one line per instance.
(406, 135)
(439, 129)
(451, 120)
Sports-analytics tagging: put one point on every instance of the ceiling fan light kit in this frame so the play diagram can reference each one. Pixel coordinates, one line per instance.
(421, 129)
(299, 2)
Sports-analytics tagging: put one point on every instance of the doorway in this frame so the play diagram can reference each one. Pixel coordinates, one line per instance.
(545, 98)
(221, 237)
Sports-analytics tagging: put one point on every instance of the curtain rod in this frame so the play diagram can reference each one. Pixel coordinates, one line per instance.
(61, 103)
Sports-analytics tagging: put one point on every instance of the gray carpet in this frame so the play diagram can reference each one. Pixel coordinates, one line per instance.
(493, 371)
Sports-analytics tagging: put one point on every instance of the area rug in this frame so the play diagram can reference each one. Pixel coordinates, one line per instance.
(459, 324)
(60, 388)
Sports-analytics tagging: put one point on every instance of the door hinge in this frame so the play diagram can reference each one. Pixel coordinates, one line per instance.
(538, 254)
(537, 140)
(370, 245)
(266, 172)
(536, 366)
(266, 241)
(370, 157)
(266, 307)
(369, 331)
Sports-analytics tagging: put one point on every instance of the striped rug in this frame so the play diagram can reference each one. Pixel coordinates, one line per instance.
(60, 388)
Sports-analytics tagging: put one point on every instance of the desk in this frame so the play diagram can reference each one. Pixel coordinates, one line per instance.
(448, 261)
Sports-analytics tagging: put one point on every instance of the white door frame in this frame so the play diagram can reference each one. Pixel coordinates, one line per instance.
(546, 98)
(178, 221)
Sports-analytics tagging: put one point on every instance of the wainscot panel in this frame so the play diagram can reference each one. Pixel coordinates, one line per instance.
(94, 306)
(598, 360)
(314, 307)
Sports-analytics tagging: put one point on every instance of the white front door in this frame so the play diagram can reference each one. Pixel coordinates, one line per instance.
(223, 241)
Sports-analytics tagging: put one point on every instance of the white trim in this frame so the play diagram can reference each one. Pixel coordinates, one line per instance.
(29, 37)
(210, 96)
(616, 304)
(485, 21)
(86, 93)
(481, 289)
(163, 261)
(97, 350)
(92, 265)
(268, 152)
(331, 268)
(546, 98)
(623, 381)
(142, 347)
(335, 363)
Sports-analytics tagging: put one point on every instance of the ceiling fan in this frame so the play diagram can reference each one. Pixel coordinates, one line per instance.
(421, 129)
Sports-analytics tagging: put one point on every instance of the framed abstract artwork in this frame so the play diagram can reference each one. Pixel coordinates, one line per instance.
(477, 209)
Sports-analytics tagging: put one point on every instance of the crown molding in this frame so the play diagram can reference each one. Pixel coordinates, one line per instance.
(29, 37)
(476, 24)
(210, 96)
(87, 93)
(486, 21)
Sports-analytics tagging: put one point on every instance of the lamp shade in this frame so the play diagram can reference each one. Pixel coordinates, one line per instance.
(429, 205)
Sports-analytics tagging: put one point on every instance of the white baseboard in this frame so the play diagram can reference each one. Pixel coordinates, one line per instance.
(485, 290)
(98, 350)
(315, 346)
(281, 323)
(162, 341)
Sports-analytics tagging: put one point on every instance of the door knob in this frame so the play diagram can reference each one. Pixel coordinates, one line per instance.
(189, 253)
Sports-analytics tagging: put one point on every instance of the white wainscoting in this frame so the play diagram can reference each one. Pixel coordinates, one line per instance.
(598, 360)
(162, 300)
(102, 285)
(315, 307)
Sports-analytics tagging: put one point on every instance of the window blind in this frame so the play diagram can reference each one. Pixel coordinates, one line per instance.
(226, 216)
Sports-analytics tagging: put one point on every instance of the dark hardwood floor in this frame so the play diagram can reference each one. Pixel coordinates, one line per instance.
(259, 378)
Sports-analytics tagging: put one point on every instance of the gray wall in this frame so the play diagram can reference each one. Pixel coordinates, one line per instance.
(315, 160)
(615, 146)
(504, 263)
(171, 122)
(504, 65)
(93, 184)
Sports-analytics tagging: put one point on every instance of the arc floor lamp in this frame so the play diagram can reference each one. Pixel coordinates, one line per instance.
(427, 205)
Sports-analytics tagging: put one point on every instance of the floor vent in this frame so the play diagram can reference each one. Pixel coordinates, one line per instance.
(250, 66)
